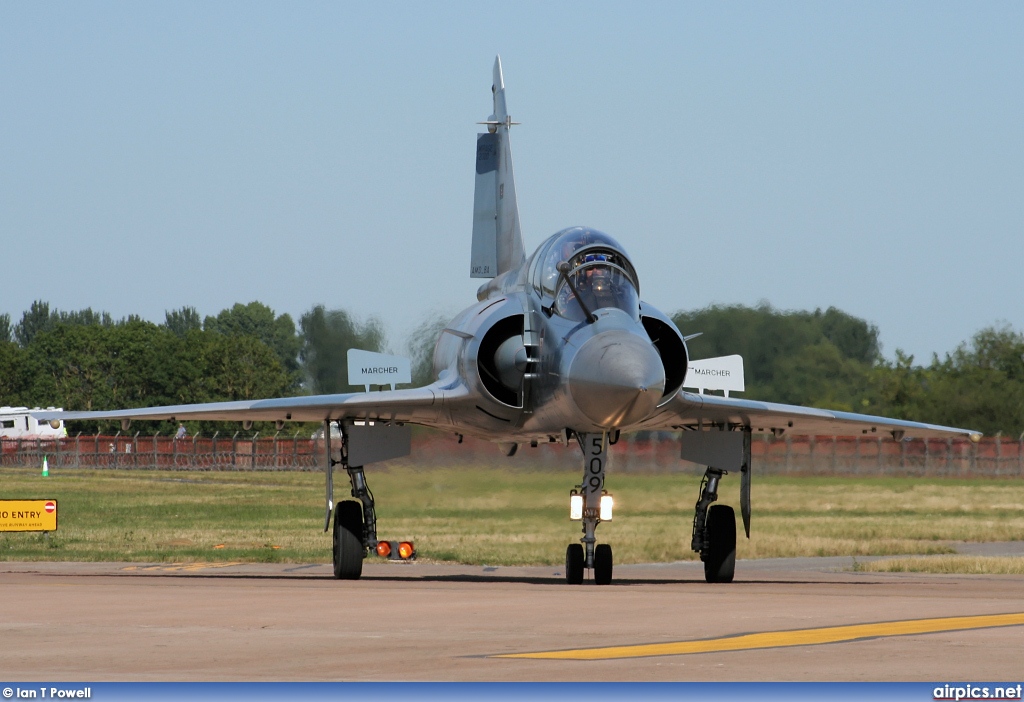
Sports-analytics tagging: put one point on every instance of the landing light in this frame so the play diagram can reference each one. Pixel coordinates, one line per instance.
(383, 549)
(405, 550)
(575, 507)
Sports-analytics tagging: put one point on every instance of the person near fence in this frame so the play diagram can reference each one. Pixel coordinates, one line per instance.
(181, 432)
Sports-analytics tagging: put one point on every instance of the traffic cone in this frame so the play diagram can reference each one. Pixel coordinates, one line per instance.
(46, 468)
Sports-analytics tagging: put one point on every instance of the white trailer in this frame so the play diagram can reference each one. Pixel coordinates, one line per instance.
(18, 423)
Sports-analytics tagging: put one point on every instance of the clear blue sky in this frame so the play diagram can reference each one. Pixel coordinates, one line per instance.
(868, 156)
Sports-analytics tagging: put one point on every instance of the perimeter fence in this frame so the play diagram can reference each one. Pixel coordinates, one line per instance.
(650, 452)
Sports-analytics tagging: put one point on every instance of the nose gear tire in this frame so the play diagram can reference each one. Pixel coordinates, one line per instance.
(574, 562)
(602, 564)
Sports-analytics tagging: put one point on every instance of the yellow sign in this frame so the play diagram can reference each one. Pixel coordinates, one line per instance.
(28, 515)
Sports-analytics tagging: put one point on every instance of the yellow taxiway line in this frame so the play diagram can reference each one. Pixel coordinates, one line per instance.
(189, 567)
(778, 639)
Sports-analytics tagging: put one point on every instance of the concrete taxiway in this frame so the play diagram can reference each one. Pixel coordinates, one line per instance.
(785, 619)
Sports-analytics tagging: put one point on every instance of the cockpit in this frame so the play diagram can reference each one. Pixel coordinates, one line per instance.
(598, 269)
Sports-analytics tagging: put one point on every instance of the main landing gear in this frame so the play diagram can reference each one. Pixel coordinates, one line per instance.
(721, 449)
(590, 504)
(714, 531)
(355, 524)
(355, 521)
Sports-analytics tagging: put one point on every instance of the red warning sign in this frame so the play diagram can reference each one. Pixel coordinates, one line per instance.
(50, 507)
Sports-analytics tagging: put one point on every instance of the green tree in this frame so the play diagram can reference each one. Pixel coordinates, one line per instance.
(5, 328)
(257, 320)
(70, 368)
(979, 386)
(421, 345)
(182, 321)
(819, 376)
(327, 335)
(186, 368)
(854, 338)
(242, 368)
(14, 376)
(140, 364)
(820, 359)
(33, 321)
(899, 387)
(40, 318)
(93, 367)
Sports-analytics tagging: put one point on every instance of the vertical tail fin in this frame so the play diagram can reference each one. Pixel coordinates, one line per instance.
(497, 239)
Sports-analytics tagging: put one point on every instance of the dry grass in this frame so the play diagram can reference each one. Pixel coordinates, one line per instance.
(958, 565)
(495, 516)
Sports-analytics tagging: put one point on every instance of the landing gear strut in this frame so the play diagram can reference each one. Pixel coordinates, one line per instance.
(593, 505)
(355, 523)
(714, 531)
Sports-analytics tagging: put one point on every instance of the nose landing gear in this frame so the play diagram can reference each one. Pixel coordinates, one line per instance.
(590, 504)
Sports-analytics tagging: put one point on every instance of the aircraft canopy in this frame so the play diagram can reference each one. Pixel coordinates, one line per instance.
(598, 267)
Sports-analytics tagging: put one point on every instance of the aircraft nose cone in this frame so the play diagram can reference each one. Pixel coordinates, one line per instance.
(616, 378)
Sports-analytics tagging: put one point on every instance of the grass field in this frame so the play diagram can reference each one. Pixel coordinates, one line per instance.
(497, 517)
(961, 565)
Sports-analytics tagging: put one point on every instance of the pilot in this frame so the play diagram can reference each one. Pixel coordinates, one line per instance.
(600, 283)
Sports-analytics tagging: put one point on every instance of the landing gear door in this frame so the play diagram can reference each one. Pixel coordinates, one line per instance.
(721, 449)
(372, 443)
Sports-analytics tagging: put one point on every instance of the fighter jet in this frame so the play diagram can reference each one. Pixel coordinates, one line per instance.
(558, 348)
